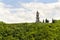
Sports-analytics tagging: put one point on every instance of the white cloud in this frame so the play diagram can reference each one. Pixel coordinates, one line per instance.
(16, 15)
(28, 12)
(49, 10)
(58, 0)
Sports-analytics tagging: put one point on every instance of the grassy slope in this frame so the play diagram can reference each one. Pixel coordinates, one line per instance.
(30, 31)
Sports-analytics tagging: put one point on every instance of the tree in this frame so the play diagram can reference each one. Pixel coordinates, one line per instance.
(53, 21)
(43, 20)
(47, 21)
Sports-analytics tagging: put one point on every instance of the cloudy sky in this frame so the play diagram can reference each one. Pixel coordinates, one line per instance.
(15, 11)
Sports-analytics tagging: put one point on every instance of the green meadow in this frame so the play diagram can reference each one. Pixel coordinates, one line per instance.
(30, 31)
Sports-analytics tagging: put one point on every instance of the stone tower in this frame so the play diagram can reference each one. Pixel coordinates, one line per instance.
(37, 17)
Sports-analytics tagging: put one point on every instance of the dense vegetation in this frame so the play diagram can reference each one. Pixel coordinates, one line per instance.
(30, 31)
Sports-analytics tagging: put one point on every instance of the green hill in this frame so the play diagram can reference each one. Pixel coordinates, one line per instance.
(30, 31)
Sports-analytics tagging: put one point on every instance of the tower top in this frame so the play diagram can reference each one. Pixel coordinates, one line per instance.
(37, 12)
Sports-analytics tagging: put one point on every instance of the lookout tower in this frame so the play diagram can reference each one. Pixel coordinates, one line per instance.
(37, 17)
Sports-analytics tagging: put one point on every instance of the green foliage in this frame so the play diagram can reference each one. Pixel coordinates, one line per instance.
(30, 31)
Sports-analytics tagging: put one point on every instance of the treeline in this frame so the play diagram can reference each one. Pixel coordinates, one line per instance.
(47, 21)
(30, 31)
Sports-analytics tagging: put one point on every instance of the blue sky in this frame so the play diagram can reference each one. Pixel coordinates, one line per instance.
(16, 4)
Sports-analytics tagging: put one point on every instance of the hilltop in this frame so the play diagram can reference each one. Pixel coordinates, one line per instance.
(30, 31)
